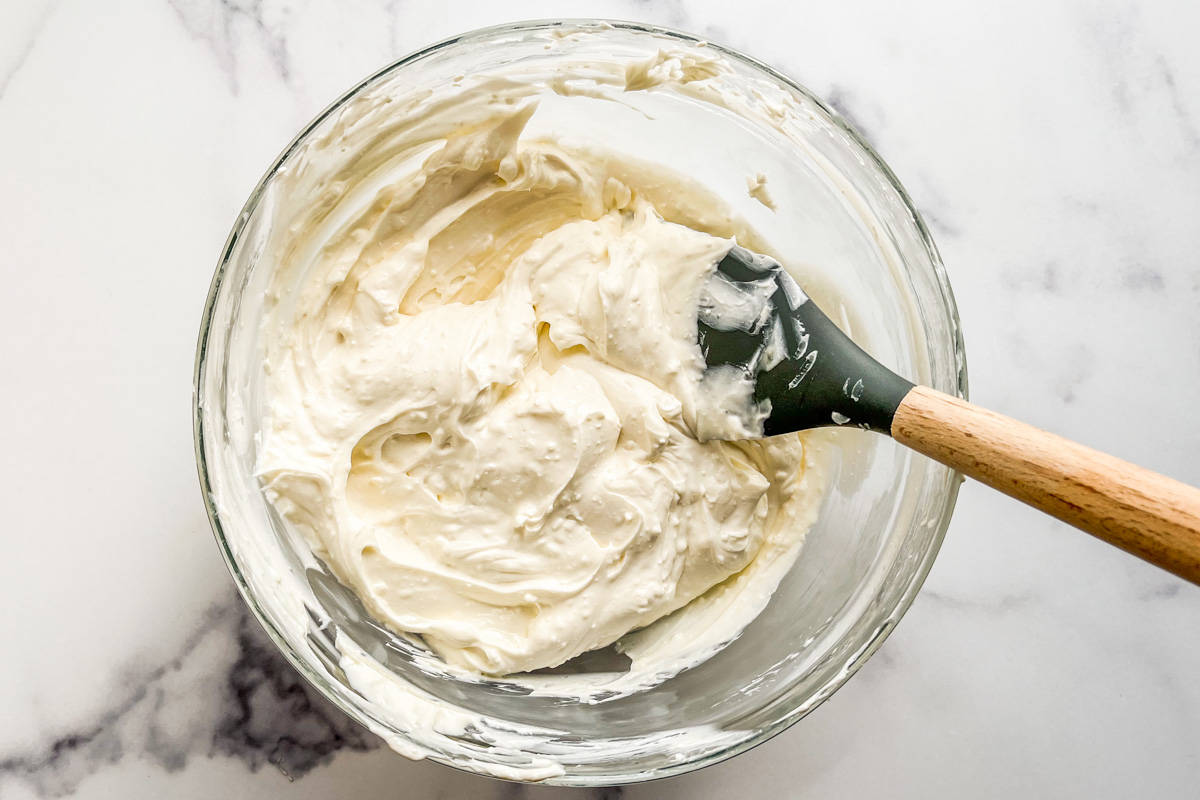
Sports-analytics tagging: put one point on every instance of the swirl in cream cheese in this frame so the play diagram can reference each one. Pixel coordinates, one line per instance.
(483, 378)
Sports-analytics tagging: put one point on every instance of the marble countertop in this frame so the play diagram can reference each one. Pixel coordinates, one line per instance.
(1053, 147)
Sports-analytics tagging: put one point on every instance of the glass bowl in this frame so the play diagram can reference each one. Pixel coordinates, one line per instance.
(856, 243)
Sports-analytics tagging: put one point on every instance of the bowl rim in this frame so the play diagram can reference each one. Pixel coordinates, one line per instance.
(941, 282)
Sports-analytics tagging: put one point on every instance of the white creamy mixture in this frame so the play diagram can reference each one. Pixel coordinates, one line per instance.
(483, 407)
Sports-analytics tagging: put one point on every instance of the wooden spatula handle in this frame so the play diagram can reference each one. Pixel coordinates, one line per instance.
(1149, 515)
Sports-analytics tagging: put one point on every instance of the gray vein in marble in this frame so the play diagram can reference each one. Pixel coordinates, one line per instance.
(1075, 370)
(1002, 604)
(1050, 360)
(55, 769)
(1161, 591)
(1142, 278)
(276, 717)
(1044, 278)
(884, 657)
(1134, 75)
(217, 25)
(1077, 205)
(30, 42)
(228, 692)
(1115, 39)
(1051, 282)
(938, 224)
(936, 210)
(850, 107)
(1188, 125)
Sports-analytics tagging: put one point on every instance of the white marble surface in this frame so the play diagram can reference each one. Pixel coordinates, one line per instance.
(1055, 149)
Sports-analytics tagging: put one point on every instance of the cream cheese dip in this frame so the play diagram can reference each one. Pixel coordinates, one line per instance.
(483, 394)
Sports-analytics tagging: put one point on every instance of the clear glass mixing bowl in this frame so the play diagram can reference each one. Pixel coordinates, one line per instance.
(856, 241)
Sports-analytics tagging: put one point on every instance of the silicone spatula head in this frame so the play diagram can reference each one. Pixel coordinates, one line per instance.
(755, 322)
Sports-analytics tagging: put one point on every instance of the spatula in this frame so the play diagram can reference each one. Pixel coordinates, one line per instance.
(755, 322)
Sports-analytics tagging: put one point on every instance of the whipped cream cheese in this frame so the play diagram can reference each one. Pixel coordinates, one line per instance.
(484, 400)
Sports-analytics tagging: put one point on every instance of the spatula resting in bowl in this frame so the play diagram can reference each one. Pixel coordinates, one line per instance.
(758, 327)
